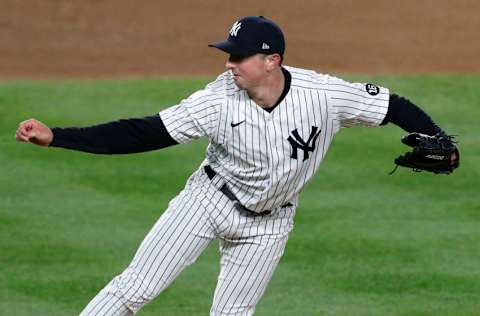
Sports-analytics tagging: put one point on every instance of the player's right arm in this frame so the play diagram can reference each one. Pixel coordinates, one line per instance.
(118, 137)
(195, 117)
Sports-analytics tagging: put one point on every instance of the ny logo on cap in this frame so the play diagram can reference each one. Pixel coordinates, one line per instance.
(235, 28)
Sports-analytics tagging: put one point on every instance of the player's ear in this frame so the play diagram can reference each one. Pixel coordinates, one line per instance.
(273, 61)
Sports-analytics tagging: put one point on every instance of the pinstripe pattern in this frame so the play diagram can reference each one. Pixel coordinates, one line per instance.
(265, 159)
(250, 247)
(254, 158)
(175, 241)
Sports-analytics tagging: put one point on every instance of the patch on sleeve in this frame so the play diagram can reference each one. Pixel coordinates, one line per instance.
(372, 89)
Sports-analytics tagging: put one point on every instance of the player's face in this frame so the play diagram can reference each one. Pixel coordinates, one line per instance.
(248, 71)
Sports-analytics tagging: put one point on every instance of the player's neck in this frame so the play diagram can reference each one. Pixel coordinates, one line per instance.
(267, 93)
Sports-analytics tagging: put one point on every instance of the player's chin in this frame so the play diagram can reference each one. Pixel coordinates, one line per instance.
(239, 82)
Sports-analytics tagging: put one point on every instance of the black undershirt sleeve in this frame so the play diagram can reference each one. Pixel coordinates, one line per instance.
(119, 137)
(409, 117)
(149, 133)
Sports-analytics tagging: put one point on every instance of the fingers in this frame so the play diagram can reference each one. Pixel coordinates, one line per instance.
(22, 135)
(20, 138)
(454, 157)
(26, 130)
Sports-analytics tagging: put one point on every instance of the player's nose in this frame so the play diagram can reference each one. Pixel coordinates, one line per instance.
(232, 62)
(229, 64)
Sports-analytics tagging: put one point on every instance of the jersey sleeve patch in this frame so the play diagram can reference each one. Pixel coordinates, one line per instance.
(357, 103)
(372, 89)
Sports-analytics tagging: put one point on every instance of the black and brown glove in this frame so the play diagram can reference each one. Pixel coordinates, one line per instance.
(437, 154)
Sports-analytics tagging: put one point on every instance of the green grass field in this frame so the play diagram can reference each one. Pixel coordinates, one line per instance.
(365, 243)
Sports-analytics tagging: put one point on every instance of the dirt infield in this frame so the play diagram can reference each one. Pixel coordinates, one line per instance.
(120, 38)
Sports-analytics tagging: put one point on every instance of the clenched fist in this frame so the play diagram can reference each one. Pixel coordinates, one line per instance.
(35, 132)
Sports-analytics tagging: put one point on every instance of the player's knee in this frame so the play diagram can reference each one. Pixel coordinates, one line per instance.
(134, 289)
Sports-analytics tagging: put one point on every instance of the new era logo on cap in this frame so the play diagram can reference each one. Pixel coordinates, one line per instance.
(265, 46)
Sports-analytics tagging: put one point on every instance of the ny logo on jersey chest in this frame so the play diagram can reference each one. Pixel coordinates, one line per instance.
(297, 142)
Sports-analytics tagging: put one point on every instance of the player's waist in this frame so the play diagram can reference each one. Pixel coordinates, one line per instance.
(230, 195)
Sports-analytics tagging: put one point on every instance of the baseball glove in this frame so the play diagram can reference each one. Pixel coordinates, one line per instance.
(437, 154)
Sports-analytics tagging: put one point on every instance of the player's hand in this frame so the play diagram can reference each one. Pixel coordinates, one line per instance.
(454, 157)
(35, 132)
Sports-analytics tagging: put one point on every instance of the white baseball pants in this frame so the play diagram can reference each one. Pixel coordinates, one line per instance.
(250, 246)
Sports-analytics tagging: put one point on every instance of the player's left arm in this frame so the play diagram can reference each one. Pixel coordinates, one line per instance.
(408, 116)
(411, 118)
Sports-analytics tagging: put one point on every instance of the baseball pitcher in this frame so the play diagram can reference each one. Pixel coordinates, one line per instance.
(269, 127)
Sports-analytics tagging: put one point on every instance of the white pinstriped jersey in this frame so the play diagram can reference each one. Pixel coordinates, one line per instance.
(266, 158)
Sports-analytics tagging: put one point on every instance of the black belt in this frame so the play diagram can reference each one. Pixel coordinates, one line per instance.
(226, 191)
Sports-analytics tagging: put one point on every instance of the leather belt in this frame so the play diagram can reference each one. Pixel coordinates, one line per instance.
(229, 194)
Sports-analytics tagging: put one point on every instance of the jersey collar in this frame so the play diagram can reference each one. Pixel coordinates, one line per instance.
(286, 88)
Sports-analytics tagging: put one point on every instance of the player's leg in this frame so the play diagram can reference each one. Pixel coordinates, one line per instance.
(248, 263)
(246, 270)
(175, 241)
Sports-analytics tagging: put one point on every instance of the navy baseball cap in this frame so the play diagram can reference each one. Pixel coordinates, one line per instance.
(251, 35)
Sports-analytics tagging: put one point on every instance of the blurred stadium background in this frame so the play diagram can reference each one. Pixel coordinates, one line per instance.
(92, 38)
